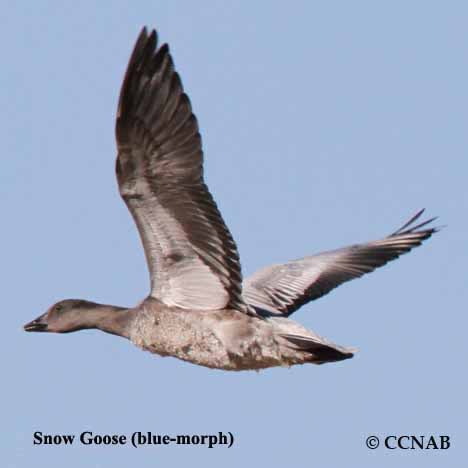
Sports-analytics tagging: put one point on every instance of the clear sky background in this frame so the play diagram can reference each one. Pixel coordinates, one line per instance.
(324, 124)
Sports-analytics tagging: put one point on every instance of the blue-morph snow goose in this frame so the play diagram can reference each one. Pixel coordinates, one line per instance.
(199, 309)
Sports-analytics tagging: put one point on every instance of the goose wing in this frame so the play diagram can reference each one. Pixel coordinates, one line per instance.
(191, 255)
(282, 289)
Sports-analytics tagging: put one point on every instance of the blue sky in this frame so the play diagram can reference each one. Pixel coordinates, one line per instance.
(324, 124)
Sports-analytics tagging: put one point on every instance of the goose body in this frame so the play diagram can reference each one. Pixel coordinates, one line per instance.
(227, 339)
(199, 308)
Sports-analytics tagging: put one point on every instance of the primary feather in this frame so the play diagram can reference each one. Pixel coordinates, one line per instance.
(282, 289)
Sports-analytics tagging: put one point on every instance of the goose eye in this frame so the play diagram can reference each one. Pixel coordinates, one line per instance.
(58, 308)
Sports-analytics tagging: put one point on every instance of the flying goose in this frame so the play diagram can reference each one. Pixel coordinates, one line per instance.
(199, 309)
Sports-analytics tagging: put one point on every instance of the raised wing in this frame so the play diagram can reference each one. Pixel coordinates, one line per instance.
(282, 289)
(192, 257)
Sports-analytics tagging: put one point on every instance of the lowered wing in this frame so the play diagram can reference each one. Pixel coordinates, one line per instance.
(282, 289)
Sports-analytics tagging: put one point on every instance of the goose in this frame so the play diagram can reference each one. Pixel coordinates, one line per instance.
(199, 309)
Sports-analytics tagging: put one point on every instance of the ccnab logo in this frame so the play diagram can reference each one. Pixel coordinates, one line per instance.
(411, 442)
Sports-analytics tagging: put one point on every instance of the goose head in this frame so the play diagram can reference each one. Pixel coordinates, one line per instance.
(63, 317)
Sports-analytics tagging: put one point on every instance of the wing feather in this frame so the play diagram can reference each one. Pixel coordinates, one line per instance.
(192, 257)
(282, 289)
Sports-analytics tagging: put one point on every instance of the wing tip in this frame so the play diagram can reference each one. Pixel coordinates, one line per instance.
(145, 46)
(411, 228)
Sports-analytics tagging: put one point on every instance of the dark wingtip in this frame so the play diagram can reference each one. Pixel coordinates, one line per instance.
(144, 47)
(164, 49)
(153, 39)
(409, 226)
(424, 223)
(142, 39)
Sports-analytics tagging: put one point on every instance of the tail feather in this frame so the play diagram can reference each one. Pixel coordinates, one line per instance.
(321, 350)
